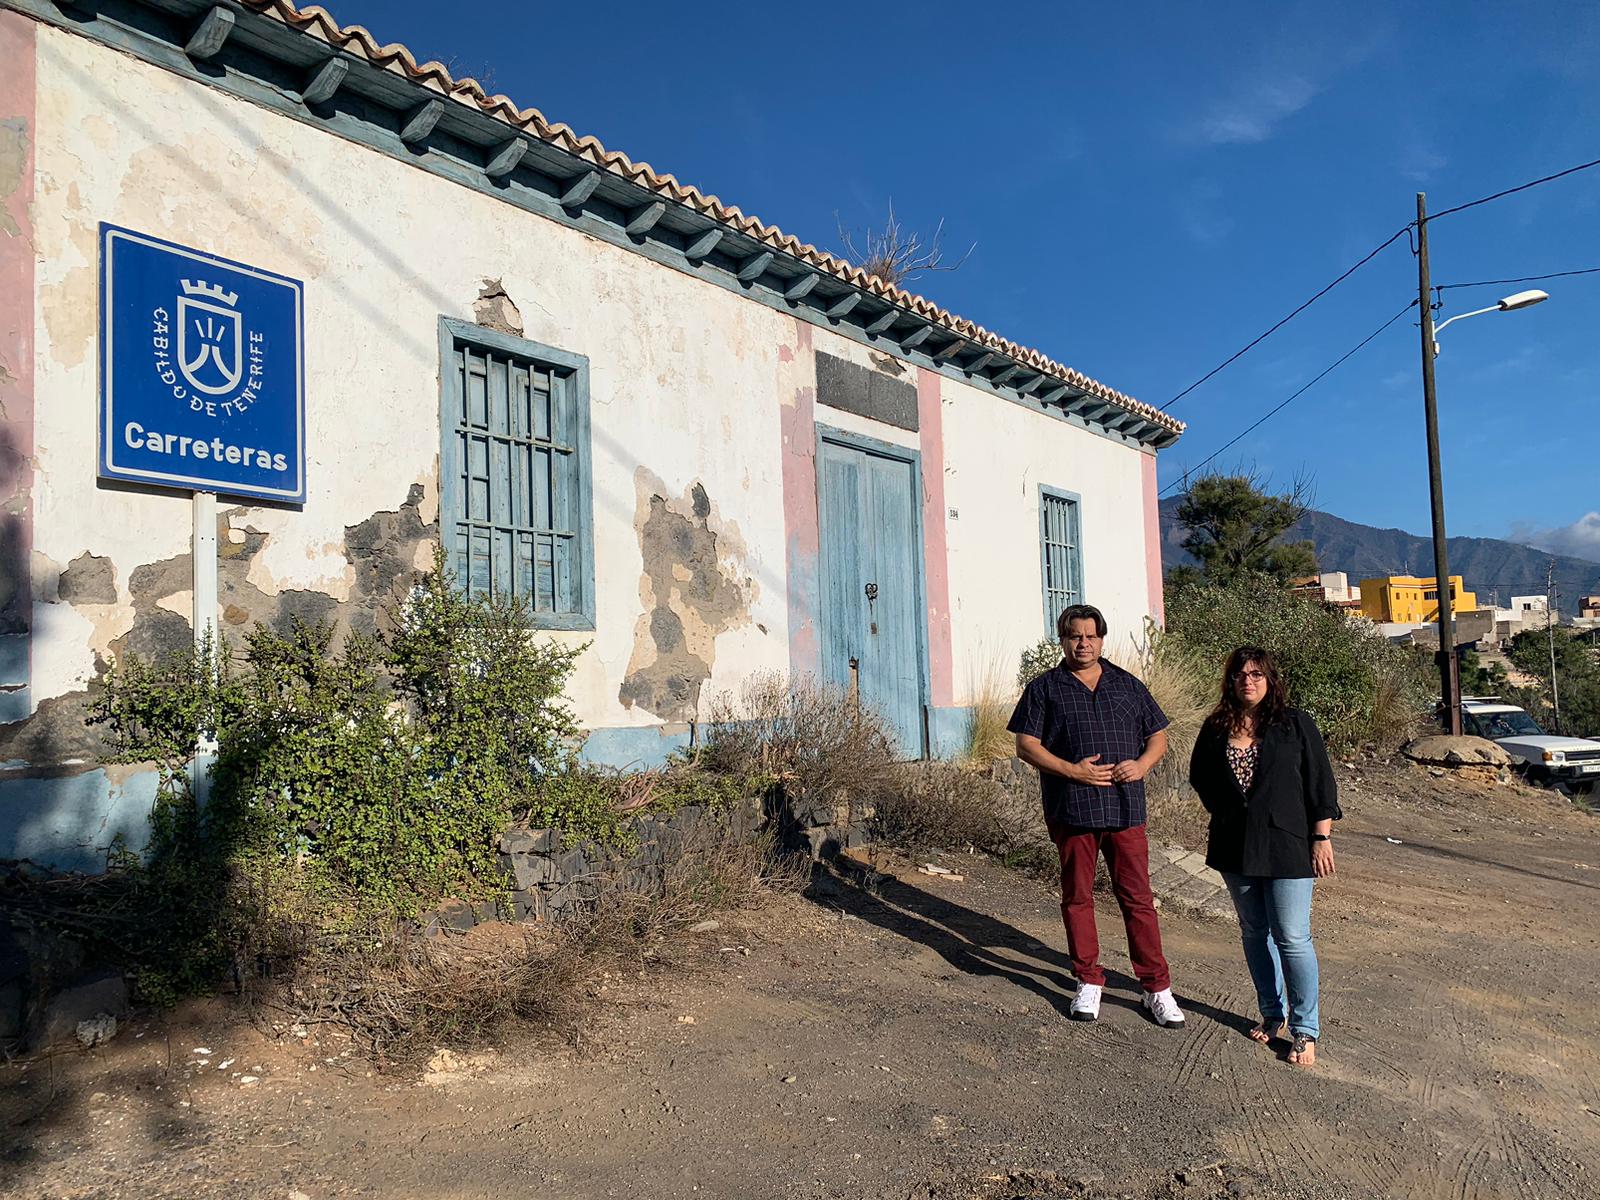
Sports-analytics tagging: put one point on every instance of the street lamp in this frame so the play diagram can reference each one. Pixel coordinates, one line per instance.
(1449, 668)
(1510, 304)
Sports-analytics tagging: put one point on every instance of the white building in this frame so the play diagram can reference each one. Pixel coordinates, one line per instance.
(1525, 608)
(695, 442)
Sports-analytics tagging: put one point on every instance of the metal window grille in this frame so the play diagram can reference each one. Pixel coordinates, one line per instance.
(516, 524)
(1063, 561)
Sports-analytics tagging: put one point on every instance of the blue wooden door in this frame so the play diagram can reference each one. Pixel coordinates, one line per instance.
(872, 612)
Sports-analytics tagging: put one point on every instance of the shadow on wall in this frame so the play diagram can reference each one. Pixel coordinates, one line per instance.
(16, 600)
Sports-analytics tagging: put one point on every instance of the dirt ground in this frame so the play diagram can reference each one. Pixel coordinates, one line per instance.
(913, 1043)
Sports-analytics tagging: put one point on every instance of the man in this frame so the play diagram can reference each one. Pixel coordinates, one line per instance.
(1094, 732)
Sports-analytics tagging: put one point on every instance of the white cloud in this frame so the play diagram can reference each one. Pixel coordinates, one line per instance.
(1581, 539)
(1201, 213)
(1420, 163)
(1252, 111)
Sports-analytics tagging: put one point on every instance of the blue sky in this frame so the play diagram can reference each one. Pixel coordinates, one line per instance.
(1150, 188)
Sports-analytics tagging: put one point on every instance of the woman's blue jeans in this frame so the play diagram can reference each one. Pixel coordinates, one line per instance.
(1275, 926)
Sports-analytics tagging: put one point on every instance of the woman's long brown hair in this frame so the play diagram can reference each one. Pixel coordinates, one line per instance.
(1229, 712)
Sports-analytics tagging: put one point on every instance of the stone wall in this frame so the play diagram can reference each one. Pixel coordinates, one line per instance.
(554, 875)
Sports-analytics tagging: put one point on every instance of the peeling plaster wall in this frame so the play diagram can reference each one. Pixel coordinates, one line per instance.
(124, 142)
(693, 589)
(703, 420)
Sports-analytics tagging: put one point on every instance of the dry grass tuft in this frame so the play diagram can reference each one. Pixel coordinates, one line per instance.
(993, 698)
(1184, 687)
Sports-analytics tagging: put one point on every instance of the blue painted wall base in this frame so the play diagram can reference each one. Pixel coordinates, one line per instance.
(639, 747)
(949, 731)
(68, 822)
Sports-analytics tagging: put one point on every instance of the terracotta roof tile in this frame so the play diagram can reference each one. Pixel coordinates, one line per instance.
(353, 39)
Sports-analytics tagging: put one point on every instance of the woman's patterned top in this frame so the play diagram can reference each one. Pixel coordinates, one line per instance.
(1243, 761)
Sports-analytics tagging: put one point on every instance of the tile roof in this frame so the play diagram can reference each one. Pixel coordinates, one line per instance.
(353, 39)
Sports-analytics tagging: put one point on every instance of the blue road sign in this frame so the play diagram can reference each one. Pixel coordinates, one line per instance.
(202, 372)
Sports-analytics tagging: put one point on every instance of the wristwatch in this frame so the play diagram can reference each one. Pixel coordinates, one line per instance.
(1320, 837)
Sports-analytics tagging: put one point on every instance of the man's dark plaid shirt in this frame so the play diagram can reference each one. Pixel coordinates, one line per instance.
(1115, 720)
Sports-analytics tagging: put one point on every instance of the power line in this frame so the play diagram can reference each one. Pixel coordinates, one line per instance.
(1265, 417)
(1445, 287)
(1521, 187)
(1393, 238)
(1396, 236)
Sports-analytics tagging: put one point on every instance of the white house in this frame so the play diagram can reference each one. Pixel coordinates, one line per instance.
(691, 440)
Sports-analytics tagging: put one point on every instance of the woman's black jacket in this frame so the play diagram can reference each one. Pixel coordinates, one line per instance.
(1268, 832)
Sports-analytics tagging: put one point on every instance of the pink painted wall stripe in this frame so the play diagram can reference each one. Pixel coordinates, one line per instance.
(18, 131)
(800, 523)
(930, 436)
(1152, 537)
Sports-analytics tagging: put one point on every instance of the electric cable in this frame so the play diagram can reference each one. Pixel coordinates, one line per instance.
(1445, 287)
(1404, 231)
(1393, 238)
(1512, 191)
(1272, 412)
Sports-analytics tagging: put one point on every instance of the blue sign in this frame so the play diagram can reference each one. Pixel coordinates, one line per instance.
(202, 372)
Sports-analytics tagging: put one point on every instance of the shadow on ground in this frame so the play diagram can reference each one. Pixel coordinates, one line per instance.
(978, 944)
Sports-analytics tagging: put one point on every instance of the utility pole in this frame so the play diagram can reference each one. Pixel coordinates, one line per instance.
(1550, 634)
(1449, 680)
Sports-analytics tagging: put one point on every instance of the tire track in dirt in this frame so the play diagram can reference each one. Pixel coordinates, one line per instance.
(1203, 1051)
(1460, 1176)
(1259, 1142)
(1310, 1140)
(1376, 1060)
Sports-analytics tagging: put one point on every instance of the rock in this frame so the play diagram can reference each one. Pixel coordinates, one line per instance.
(527, 870)
(456, 915)
(91, 996)
(97, 1030)
(530, 841)
(1445, 751)
(705, 926)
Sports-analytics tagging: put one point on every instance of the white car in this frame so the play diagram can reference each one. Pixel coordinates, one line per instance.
(1543, 757)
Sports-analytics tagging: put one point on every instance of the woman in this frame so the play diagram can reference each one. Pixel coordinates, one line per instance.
(1262, 772)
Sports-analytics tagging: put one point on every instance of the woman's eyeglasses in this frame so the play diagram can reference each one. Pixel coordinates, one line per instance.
(1249, 676)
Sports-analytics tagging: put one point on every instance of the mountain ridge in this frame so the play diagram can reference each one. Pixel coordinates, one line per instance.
(1493, 568)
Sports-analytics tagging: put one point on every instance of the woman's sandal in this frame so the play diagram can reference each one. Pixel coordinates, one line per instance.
(1298, 1049)
(1263, 1031)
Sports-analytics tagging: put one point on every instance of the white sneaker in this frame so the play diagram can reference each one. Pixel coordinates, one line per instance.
(1161, 1006)
(1086, 1004)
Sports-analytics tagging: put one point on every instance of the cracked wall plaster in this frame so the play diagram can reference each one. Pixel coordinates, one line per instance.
(693, 587)
(77, 632)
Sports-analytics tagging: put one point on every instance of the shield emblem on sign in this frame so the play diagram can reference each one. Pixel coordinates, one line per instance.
(210, 345)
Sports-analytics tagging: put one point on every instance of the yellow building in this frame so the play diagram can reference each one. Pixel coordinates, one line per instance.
(1408, 600)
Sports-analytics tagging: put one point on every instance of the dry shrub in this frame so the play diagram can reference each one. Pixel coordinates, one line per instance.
(1394, 718)
(403, 996)
(1185, 689)
(819, 740)
(951, 806)
(993, 698)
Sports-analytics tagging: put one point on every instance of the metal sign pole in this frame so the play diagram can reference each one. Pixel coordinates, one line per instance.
(203, 506)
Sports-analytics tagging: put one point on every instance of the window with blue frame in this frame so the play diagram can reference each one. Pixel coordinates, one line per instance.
(1061, 545)
(516, 509)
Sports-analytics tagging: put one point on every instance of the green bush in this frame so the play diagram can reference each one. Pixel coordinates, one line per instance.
(1339, 668)
(1037, 659)
(352, 782)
